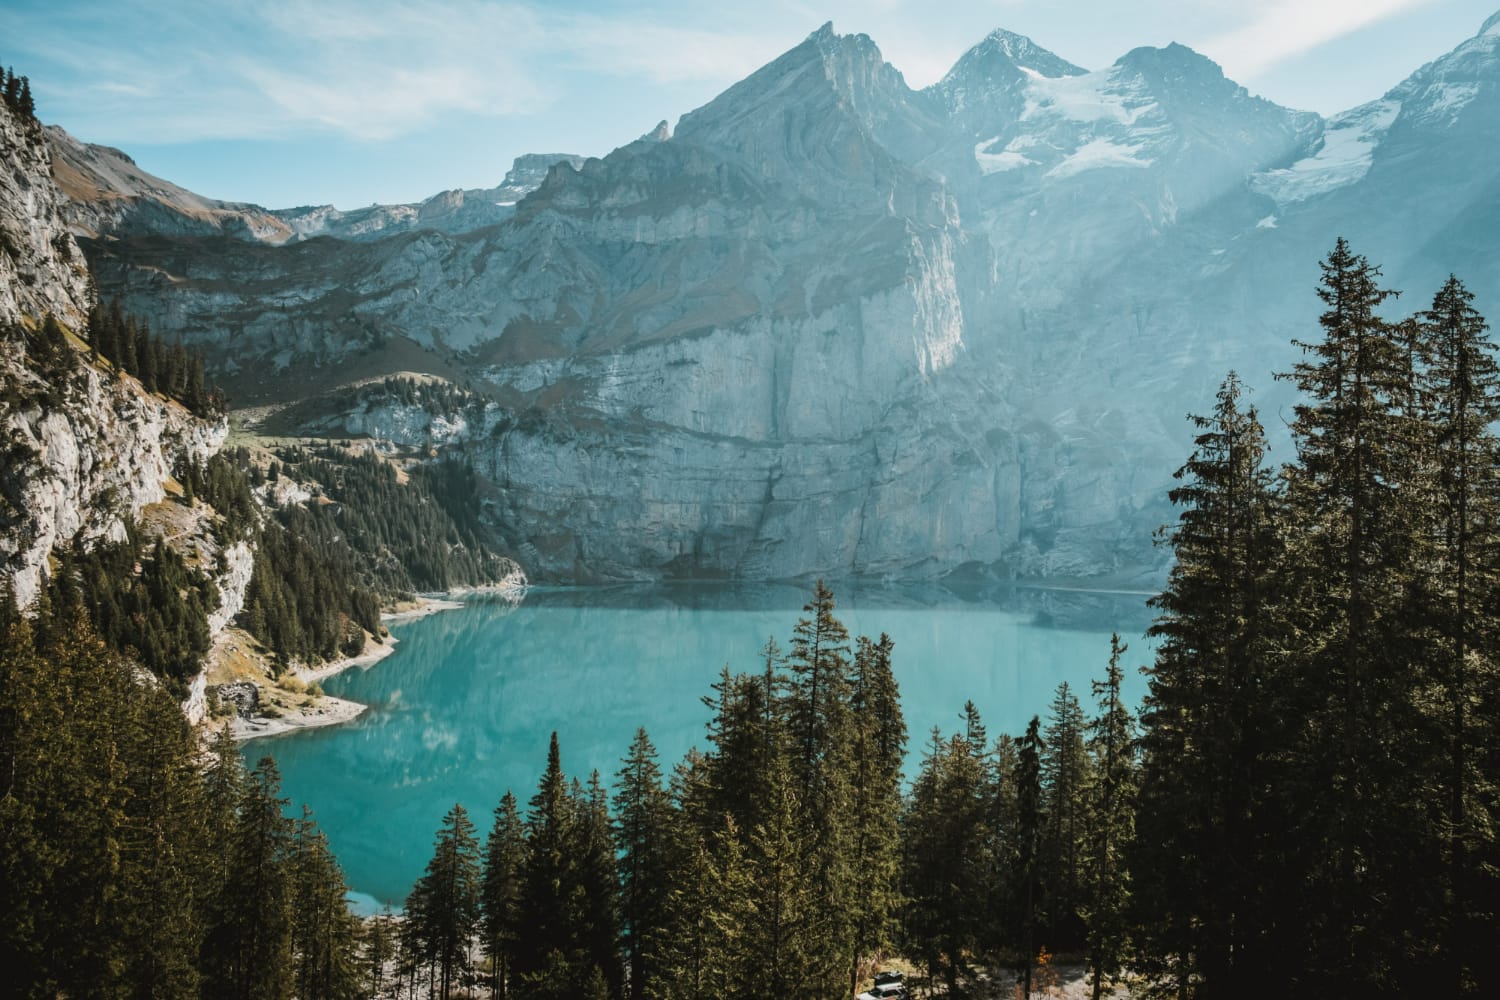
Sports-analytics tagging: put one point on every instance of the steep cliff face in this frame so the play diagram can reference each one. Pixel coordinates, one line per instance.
(82, 456)
(84, 448)
(41, 268)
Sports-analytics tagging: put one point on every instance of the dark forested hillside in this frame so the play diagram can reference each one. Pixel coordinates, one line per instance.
(132, 865)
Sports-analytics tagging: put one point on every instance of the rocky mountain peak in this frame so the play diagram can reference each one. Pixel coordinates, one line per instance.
(1001, 47)
(1442, 90)
(830, 113)
(1176, 66)
(528, 170)
(661, 133)
(984, 89)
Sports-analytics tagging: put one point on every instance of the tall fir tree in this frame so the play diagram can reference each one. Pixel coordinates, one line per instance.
(877, 751)
(1354, 492)
(500, 891)
(1029, 833)
(1213, 721)
(1112, 739)
(1065, 789)
(548, 880)
(443, 907)
(643, 837)
(1460, 391)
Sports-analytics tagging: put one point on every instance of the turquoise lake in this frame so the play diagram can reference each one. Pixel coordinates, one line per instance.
(464, 708)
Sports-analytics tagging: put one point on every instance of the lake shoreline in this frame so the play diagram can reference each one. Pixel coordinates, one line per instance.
(327, 710)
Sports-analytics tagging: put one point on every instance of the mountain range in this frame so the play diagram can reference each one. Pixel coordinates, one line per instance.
(830, 323)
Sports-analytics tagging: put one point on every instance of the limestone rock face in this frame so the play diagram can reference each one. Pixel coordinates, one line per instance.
(88, 448)
(41, 268)
(232, 582)
(77, 470)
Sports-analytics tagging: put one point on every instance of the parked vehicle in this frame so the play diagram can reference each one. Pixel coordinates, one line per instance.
(889, 985)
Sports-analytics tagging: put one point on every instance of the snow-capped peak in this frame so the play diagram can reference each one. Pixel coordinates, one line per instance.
(1003, 53)
(1026, 54)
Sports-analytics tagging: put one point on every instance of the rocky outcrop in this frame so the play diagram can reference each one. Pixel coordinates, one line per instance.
(42, 270)
(455, 211)
(84, 448)
(77, 470)
(109, 194)
(232, 580)
(242, 696)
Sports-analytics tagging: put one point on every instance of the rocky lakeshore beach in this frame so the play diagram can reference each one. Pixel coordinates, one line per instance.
(300, 705)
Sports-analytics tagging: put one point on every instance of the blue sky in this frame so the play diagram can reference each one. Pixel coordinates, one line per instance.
(350, 102)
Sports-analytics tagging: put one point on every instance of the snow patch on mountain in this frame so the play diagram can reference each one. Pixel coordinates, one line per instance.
(1099, 153)
(994, 163)
(1103, 96)
(1348, 149)
(1442, 102)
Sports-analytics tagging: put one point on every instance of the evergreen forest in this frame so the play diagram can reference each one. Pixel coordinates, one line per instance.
(1304, 805)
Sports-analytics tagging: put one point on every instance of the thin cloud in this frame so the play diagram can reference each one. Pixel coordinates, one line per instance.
(1287, 28)
(368, 70)
(661, 53)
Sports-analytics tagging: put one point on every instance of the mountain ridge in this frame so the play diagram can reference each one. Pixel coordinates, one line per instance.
(824, 269)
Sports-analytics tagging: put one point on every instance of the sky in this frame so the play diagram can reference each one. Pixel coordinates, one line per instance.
(354, 102)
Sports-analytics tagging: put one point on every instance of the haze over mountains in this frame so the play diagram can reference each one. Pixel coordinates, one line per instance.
(830, 324)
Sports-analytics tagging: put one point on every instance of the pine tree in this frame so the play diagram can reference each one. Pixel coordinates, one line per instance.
(596, 918)
(1065, 790)
(780, 928)
(819, 667)
(444, 904)
(1112, 827)
(1460, 390)
(500, 891)
(325, 935)
(1212, 719)
(379, 948)
(643, 819)
(944, 860)
(1029, 831)
(549, 875)
(819, 723)
(703, 954)
(879, 747)
(1352, 493)
(157, 918)
(62, 790)
(248, 953)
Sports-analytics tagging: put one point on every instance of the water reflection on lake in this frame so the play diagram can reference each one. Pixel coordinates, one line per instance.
(464, 708)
